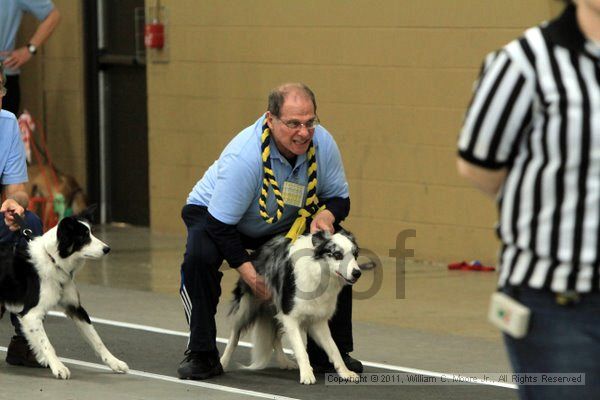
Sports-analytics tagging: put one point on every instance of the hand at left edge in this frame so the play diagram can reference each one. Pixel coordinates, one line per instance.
(17, 58)
(9, 208)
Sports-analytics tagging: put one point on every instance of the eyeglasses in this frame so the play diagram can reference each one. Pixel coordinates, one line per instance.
(295, 124)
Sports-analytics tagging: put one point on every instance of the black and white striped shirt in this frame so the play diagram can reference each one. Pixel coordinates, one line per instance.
(536, 112)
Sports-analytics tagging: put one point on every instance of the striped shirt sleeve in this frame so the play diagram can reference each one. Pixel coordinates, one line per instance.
(499, 113)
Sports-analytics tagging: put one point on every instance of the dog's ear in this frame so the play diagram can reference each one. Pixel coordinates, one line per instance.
(321, 242)
(320, 238)
(351, 238)
(88, 213)
(65, 235)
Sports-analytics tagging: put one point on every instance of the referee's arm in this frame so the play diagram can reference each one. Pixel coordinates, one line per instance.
(500, 111)
(487, 180)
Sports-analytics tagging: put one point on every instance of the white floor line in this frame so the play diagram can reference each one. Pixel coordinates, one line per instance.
(288, 351)
(171, 379)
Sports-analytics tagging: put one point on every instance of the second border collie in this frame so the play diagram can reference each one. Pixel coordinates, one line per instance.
(34, 281)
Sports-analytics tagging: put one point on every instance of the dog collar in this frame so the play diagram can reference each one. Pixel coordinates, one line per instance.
(51, 258)
(56, 264)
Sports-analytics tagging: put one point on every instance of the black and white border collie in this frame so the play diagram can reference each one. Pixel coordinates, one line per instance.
(305, 279)
(40, 278)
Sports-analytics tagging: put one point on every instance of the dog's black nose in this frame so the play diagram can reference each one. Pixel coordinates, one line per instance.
(356, 273)
(105, 249)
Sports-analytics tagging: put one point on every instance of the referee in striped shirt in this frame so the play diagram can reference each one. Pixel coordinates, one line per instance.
(531, 138)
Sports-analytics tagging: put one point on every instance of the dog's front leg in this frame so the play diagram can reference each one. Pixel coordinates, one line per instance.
(321, 334)
(83, 323)
(291, 327)
(33, 329)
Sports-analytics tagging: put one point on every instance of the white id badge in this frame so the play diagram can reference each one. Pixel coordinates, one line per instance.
(293, 194)
(509, 315)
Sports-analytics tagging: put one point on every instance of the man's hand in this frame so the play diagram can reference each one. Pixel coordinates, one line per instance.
(17, 58)
(323, 221)
(255, 281)
(9, 207)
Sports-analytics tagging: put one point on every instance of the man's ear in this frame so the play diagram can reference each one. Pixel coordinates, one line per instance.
(269, 118)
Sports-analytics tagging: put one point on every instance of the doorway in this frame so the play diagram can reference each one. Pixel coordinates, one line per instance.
(116, 112)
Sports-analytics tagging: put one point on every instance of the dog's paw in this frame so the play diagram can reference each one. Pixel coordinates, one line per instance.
(287, 363)
(349, 375)
(224, 362)
(117, 365)
(43, 361)
(60, 371)
(307, 378)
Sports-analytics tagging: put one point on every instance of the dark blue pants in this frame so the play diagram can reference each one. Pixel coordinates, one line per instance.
(33, 222)
(201, 285)
(561, 339)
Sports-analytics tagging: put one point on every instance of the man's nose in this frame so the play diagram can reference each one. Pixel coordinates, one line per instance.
(304, 132)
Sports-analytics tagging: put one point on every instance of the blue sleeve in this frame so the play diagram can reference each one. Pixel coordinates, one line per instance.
(235, 189)
(330, 173)
(39, 8)
(15, 170)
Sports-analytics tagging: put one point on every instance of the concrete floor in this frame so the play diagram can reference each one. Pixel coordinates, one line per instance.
(439, 326)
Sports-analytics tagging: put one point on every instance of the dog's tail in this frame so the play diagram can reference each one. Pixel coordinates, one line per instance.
(264, 333)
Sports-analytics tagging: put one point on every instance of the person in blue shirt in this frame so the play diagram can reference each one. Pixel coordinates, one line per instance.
(253, 192)
(13, 57)
(13, 175)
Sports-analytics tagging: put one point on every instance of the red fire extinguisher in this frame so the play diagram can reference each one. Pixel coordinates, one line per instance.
(154, 32)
